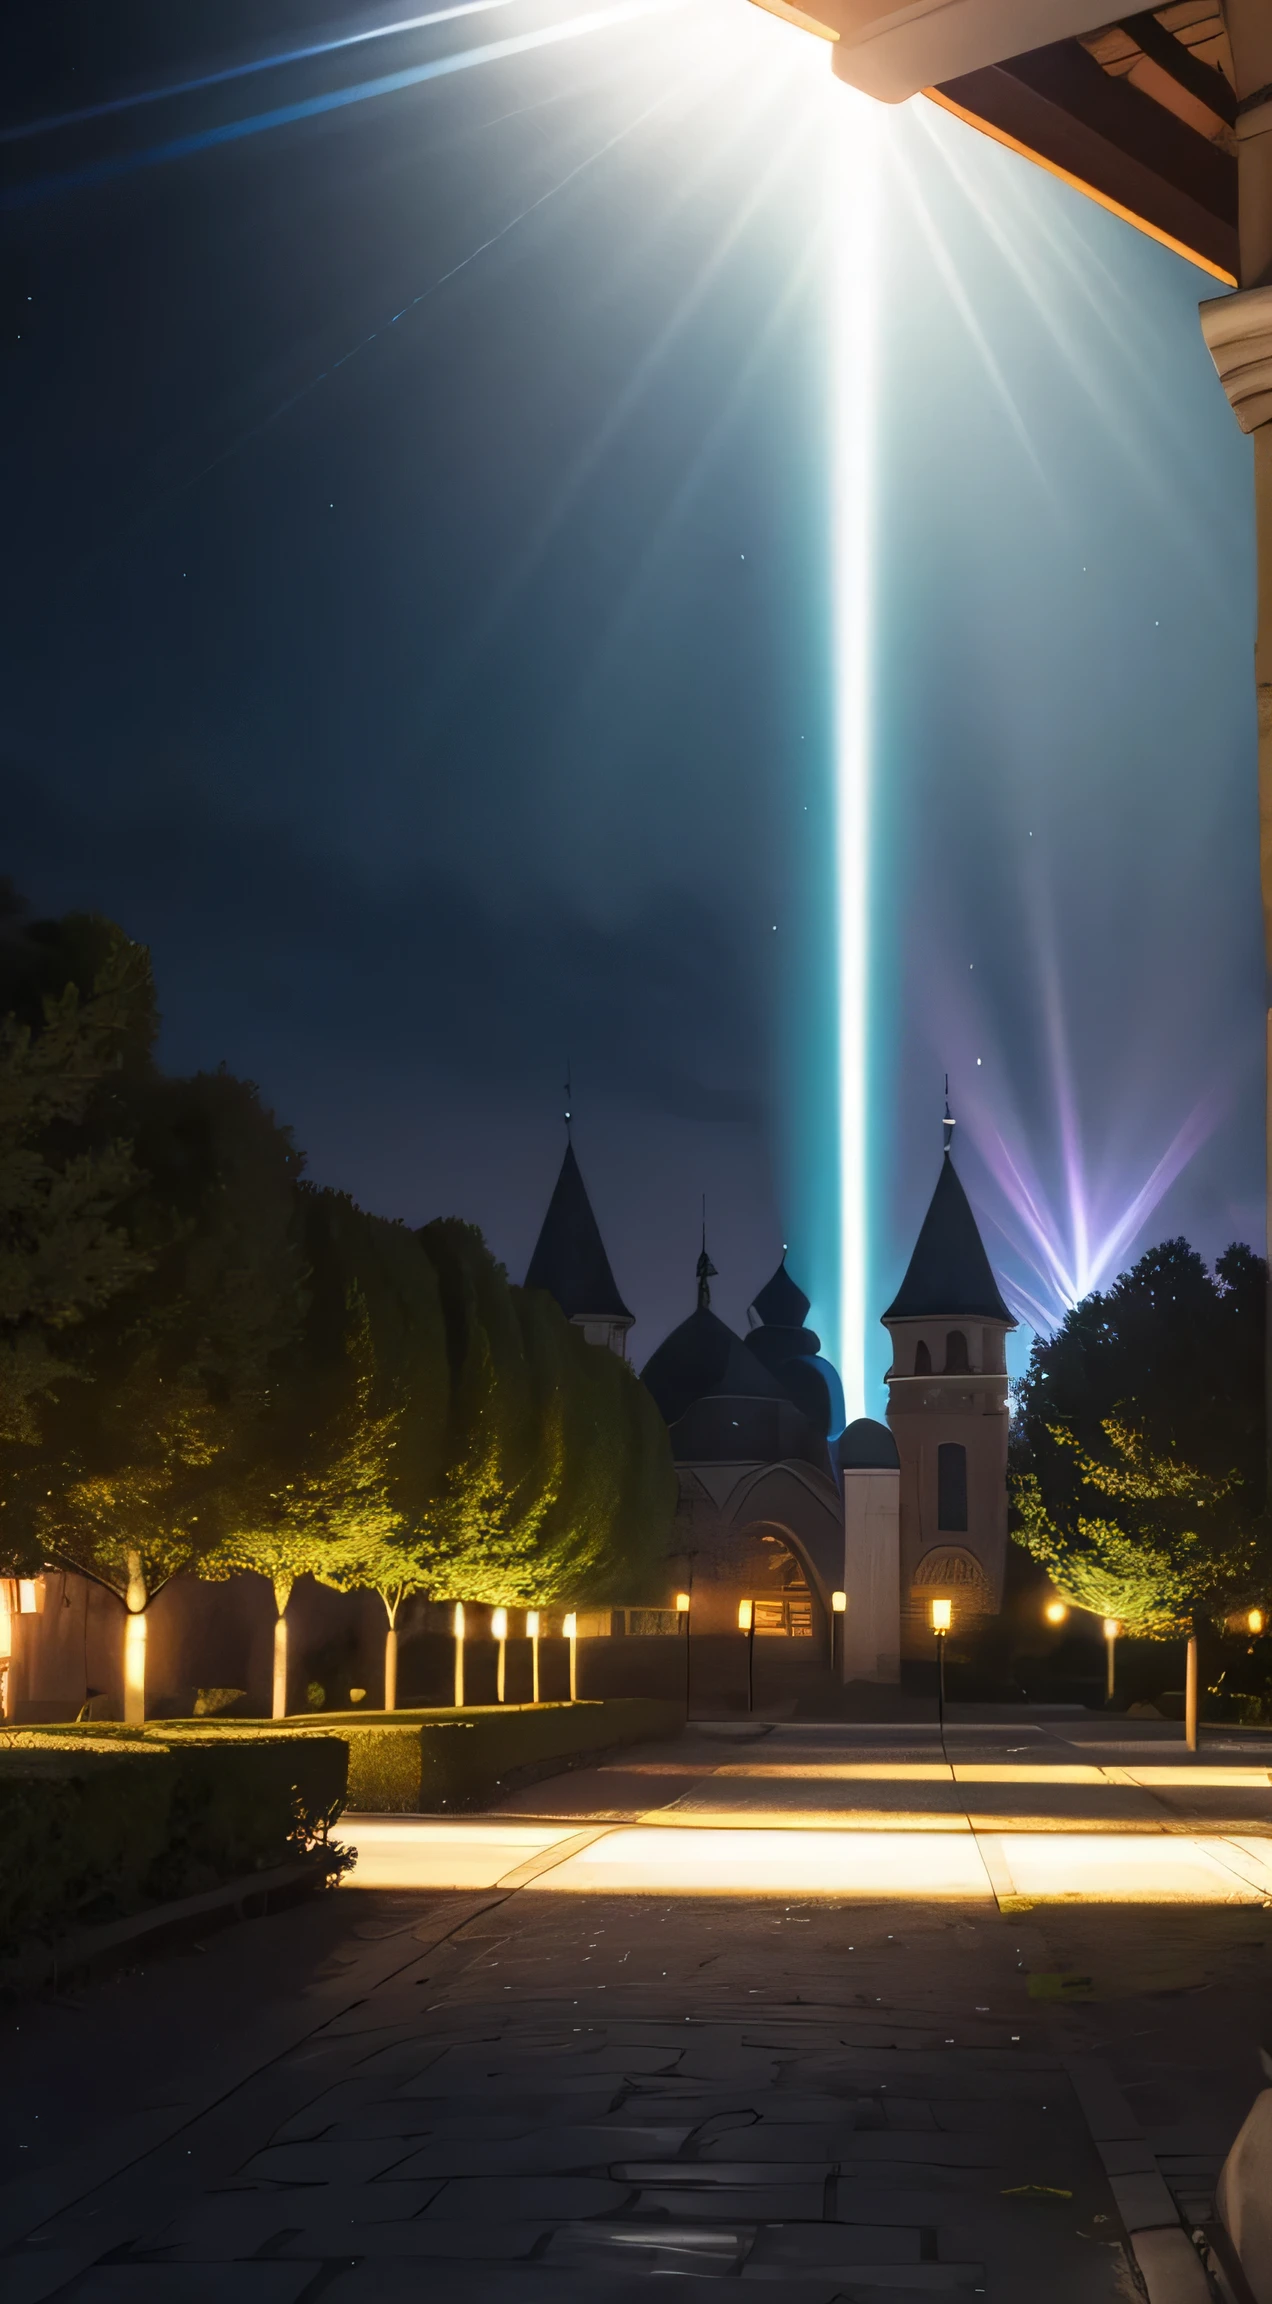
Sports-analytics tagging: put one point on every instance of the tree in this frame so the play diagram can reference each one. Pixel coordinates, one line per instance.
(560, 1481)
(66, 1169)
(1161, 1548)
(1138, 1475)
(396, 1431)
(1172, 1349)
(146, 1456)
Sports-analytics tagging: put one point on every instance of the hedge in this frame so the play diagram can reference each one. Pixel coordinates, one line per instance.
(95, 1826)
(418, 1762)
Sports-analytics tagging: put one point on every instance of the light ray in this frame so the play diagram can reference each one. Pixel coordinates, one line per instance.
(335, 99)
(854, 165)
(274, 63)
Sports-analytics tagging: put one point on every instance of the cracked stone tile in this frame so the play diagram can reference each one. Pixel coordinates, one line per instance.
(548, 2152)
(231, 2224)
(320, 2162)
(519, 2197)
(496, 2241)
(752, 2203)
(187, 2284)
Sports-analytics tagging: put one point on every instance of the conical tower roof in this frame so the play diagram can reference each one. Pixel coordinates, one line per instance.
(569, 1258)
(949, 1276)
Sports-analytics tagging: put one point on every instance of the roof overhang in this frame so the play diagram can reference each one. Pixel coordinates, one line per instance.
(1137, 113)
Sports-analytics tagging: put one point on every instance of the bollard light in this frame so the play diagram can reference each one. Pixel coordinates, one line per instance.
(746, 1623)
(499, 1627)
(1255, 1620)
(942, 1617)
(459, 1653)
(1055, 1611)
(571, 1631)
(532, 1635)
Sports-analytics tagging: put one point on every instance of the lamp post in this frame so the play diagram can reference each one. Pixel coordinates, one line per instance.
(1111, 1630)
(1055, 1611)
(571, 1631)
(682, 1612)
(942, 1615)
(459, 1654)
(532, 1635)
(499, 1627)
(838, 1611)
(746, 1623)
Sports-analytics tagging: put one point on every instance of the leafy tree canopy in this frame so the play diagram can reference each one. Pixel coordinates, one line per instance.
(67, 1164)
(1138, 1474)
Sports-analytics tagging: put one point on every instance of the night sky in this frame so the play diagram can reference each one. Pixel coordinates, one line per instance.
(417, 629)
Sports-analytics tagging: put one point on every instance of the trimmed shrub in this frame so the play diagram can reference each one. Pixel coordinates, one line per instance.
(420, 1762)
(81, 1833)
(96, 1826)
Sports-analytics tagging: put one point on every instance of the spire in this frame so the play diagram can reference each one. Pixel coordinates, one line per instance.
(949, 1276)
(706, 1269)
(569, 1258)
(949, 1122)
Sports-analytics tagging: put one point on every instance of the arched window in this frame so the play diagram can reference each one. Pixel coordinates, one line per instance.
(956, 1360)
(922, 1360)
(951, 1487)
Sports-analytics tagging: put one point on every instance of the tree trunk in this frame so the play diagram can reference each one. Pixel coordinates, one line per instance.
(282, 1594)
(390, 1669)
(279, 1706)
(135, 1644)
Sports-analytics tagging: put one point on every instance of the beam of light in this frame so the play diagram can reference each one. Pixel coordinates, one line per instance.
(768, 98)
(854, 164)
(272, 63)
(335, 100)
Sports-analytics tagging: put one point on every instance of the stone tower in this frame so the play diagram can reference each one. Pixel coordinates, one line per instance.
(947, 1409)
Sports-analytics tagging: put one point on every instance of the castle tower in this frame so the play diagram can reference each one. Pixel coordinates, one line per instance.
(947, 1409)
(569, 1260)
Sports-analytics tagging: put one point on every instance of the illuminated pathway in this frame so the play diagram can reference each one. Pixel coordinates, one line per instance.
(798, 2012)
(1011, 1813)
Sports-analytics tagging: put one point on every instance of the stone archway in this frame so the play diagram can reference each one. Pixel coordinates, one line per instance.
(947, 1572)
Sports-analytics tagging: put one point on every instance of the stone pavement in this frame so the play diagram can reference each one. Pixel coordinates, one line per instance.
(512, 2090)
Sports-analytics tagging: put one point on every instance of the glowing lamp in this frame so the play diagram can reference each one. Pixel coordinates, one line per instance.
(571, 1631)
(532, 1635)
(532, 1623)
(839, 1602)
(746, 1615)
(28, 1603)
(499, 1624)
(571, 1626)
(1256, 1620)
(682, 1603)
(1111, 1627)
(942, 1615)
(1055, 1611)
